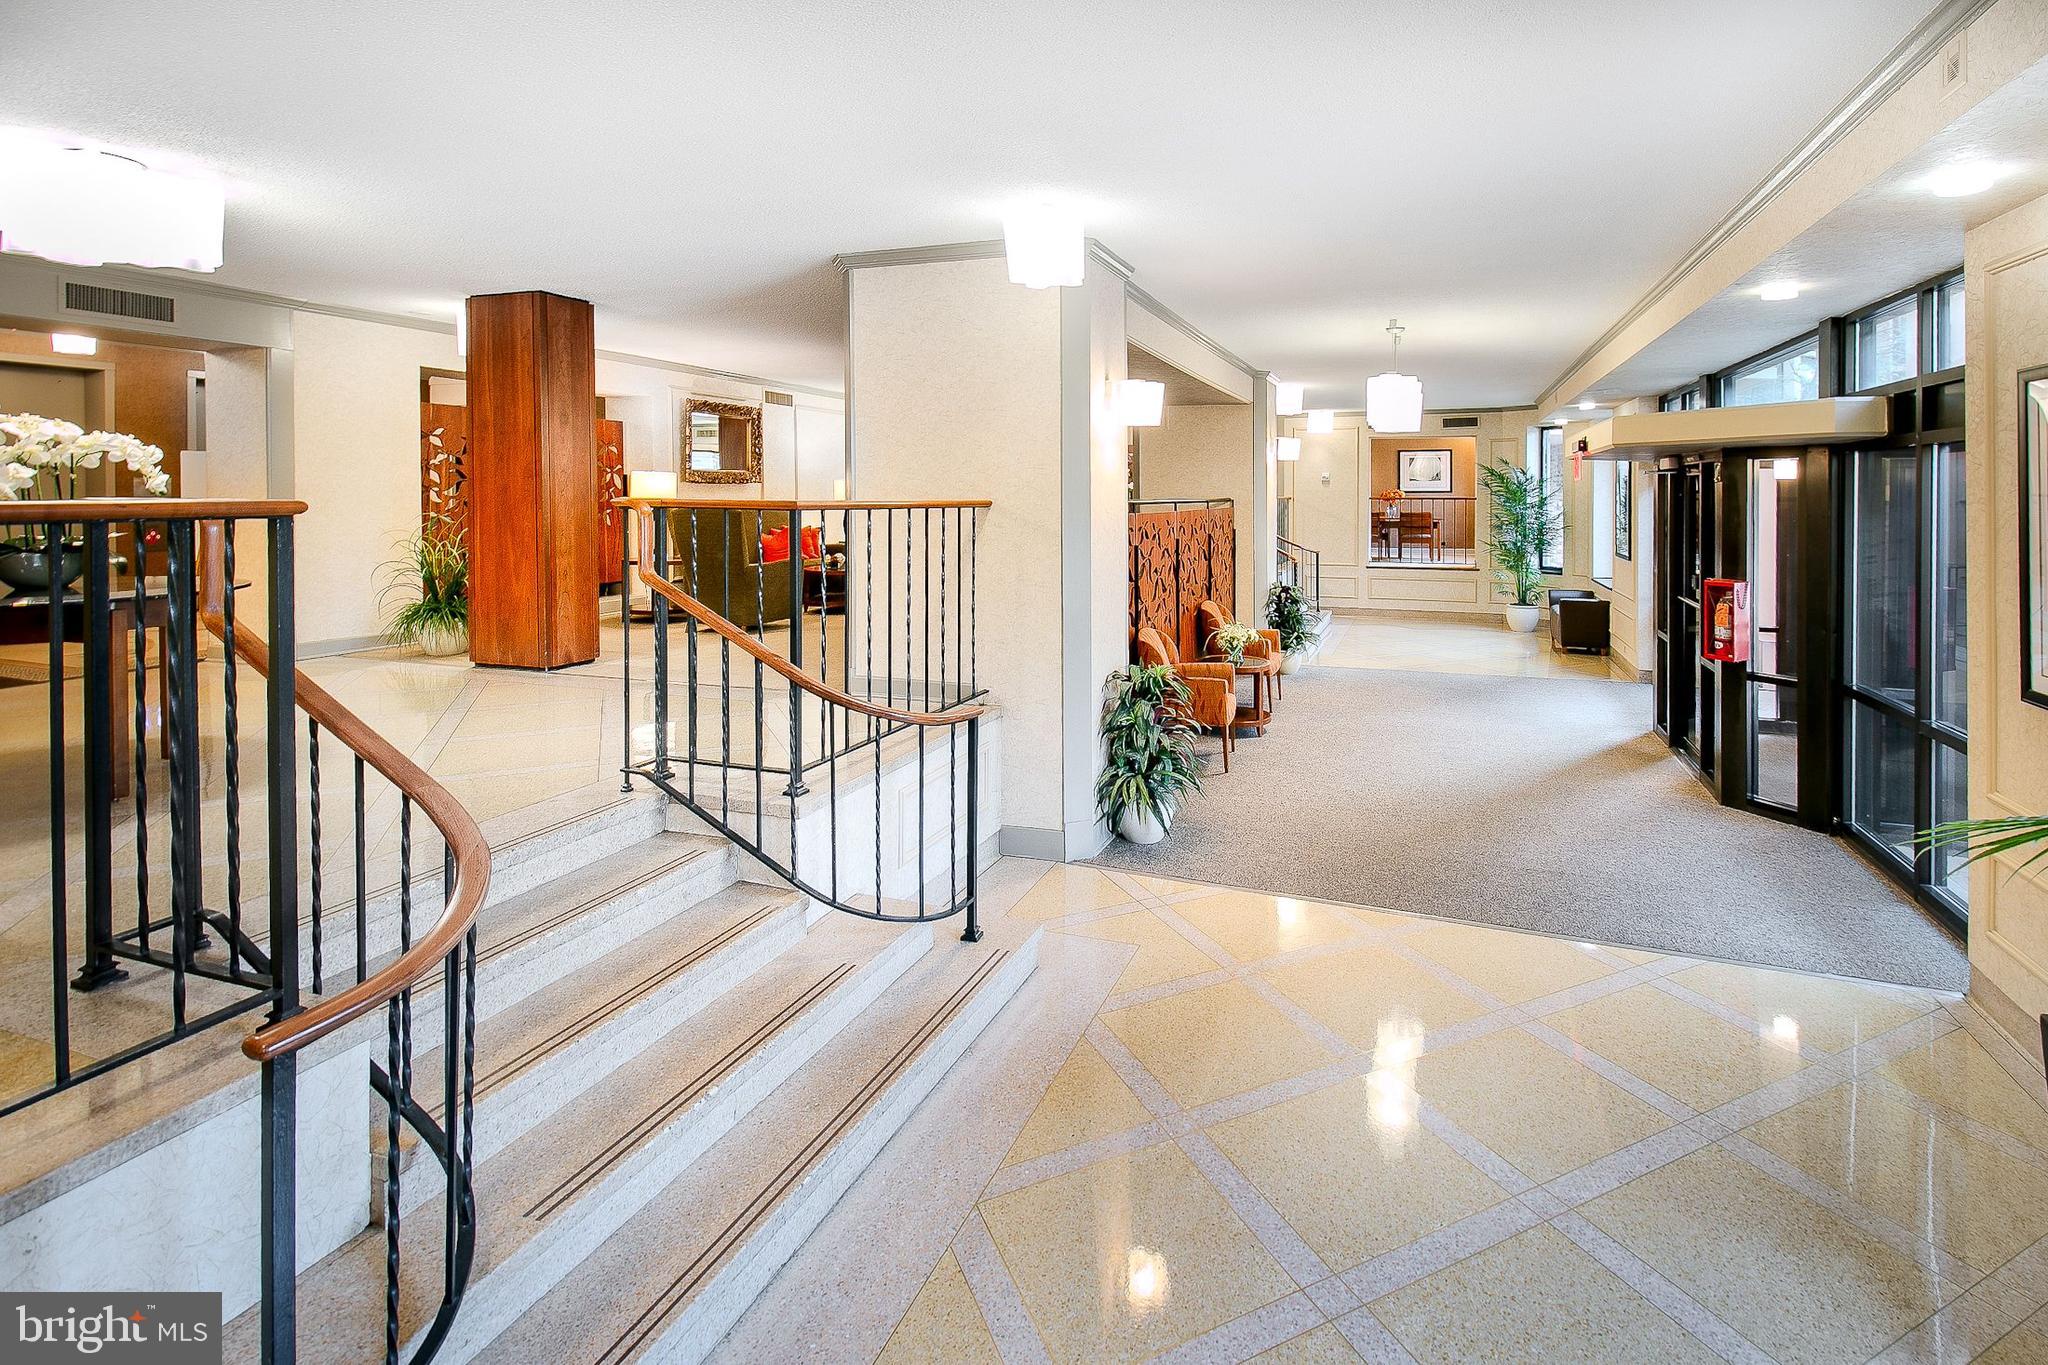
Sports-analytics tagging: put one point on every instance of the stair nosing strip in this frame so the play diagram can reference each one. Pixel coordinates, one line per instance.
(497, 1077)
(511, 844)
(708, 1079)
(765, 1200)
(586, 905)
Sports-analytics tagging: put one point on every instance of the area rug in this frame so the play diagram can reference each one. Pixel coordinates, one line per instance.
(1533, 803)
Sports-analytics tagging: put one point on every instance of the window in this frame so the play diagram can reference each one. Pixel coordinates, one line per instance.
(1685, 400)
(1604, 474)
(1550, 469)
(1884, 346)
(1783, 377)
(1948, 324)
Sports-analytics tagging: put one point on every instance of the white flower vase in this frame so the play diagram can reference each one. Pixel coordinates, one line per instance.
(1521, 618)
(1289, 662)
(442, 641)
(1140, 826)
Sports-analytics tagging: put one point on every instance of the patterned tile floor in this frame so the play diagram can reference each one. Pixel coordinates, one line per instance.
(1432, 644)
(1305, 1132)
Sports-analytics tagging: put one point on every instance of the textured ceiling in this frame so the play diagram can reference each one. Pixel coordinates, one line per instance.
(1505, 178)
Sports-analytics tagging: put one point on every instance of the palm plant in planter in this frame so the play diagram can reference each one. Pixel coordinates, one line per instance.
(1149, 760)
(1522, 518)
(1287, 613)
(431, 572)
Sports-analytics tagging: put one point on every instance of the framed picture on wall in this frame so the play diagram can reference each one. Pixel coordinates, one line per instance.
(1624, 503)
(2034, 535)
(1425, 471)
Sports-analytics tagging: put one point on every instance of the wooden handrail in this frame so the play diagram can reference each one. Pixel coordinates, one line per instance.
(16, 513)
(465, 841)
(765, 505)
(726, 630)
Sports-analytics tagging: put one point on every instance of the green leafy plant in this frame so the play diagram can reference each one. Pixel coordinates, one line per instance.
(1234, 638)
(1287, 612)
(1149, 763)
(1522, 517)
(1987, 838)
(430, 576)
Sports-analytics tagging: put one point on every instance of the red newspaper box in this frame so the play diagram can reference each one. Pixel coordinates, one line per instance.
(1724, 620)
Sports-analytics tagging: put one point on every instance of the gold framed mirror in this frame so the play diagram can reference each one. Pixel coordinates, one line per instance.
(721, 442)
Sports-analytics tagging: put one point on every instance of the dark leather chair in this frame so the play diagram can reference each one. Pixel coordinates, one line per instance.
(1578, 620)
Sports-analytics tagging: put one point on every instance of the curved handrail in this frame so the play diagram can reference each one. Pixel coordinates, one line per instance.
(472, 856)
(796, 677)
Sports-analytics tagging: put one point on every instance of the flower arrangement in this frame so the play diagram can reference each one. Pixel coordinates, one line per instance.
(1233, 638)
(42, 456)
(1390, 496)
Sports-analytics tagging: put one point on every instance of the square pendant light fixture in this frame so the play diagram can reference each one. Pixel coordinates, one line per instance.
(1287, 448)
(1287, 399)
(1045, 245)
(1321, 421)
(1137, 402)
(80, 206)
(1393, 401)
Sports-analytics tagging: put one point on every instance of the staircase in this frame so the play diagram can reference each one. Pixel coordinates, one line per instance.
(622, 1054)
(677, 1073)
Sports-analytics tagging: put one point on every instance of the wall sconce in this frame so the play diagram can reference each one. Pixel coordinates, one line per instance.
(1045, 246)
(1287, 449)
(651, 483)
(71, 343)
(1321, 421)
(1137, 402)
(1786, 467)
(1287, 398)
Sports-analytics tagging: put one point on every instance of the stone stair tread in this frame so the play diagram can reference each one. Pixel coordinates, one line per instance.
(544, 1178)
(668, 1260)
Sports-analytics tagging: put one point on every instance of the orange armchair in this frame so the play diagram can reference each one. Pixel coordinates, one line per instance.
(1212, 687)
(1210, 617)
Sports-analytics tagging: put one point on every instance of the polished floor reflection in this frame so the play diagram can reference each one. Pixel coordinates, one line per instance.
(1437, 644)
(1296, 1131)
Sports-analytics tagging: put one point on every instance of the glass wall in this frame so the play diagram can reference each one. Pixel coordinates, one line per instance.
(1550, 469)
(1775, 629)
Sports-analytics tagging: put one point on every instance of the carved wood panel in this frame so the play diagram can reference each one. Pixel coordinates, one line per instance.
(444, 465)
(611, 479)
(1176, 560)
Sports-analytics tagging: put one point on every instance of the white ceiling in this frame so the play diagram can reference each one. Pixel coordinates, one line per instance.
(1507, 179)
(1889, 236)
(1182, 388)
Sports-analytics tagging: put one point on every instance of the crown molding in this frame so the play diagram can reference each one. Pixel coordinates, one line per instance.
(1188, 329)
(1913, 52)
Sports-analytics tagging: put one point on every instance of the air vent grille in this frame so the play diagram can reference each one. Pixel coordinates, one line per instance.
(779, 400)
(1460, 423)
(119, 303)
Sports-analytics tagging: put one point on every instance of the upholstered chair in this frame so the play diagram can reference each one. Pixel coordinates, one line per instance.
(1212, 687)
(1578, 621)
(1210, 617)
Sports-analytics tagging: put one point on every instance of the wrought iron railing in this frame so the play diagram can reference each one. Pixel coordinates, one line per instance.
(212, 961)
(1300, 567)
(764, 695)
(1424, 530)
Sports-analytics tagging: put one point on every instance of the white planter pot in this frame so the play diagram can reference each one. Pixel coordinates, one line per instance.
(1523, 619)
(1141, 827)
(442, 642)
(1289, 662)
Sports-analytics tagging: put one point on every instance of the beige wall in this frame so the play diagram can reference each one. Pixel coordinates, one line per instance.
(149, 385)
(2006, 281)
(1205, 451)
(957, 394)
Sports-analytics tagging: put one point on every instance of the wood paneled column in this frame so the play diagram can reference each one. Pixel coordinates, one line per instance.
(533, 527)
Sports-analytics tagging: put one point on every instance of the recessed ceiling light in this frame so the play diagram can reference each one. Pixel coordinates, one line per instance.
(1778, 293)
(1964, 178)
(1587, 406)
(70, 343)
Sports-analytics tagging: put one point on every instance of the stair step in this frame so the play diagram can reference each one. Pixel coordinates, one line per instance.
(542, 1052)
(556, 1191)
(671, 1281)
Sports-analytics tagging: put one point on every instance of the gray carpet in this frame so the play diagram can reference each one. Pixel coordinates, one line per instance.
(1536, 803)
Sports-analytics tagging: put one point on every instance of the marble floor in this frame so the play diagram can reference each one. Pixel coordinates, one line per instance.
(1297, 1131)
(1439, 644)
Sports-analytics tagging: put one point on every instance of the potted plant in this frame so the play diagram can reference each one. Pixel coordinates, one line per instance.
(1149, 762)
(1522, 516)
(40, 458)
(1287, 613)
(432, 572)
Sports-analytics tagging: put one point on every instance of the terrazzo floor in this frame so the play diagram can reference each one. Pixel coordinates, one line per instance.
(1298, 1131)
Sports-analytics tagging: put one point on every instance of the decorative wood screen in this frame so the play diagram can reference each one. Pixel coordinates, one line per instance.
(1177, 560)
(444, 479)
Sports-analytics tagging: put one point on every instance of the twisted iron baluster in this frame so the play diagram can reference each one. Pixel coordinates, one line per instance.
(920, 822)
(141, 651)
(313, 769)
(362, 884)
(234, 756)
(391, 1216)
